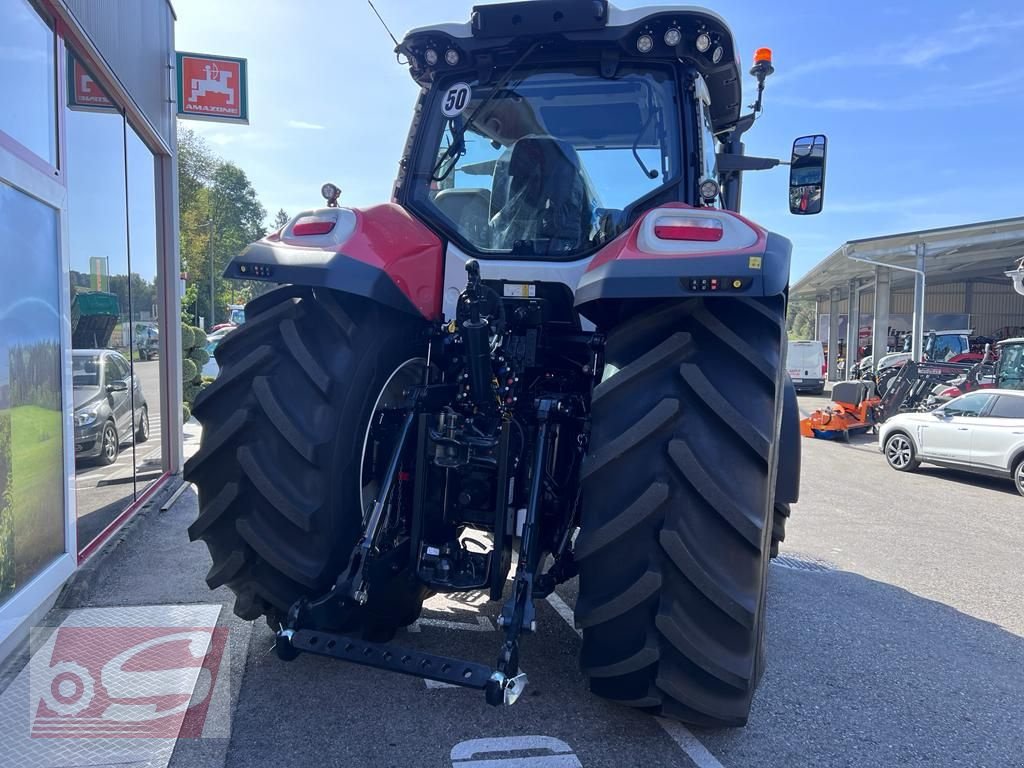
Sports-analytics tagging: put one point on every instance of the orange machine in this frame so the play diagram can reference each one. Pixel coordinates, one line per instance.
(853, 411)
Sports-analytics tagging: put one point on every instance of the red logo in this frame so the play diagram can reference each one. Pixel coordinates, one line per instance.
(211, 87)
(87, 91)
(125, 682)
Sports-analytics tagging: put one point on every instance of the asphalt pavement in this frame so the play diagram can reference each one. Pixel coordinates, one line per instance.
(895, 638)
(103, 491)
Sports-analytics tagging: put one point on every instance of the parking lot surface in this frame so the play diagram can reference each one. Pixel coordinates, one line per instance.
(104, 490)
(895, 637)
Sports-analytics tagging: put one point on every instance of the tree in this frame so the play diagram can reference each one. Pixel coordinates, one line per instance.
(280, 219)
(220, 214)
(800, 319)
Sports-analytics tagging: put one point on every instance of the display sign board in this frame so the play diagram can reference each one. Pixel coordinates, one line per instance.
(212, 88)
(84, 93)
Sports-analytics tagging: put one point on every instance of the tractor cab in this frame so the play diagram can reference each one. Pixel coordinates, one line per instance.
(545, 129)
(1010, 367)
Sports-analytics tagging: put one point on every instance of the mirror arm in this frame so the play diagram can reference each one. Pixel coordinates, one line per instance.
(727, 163)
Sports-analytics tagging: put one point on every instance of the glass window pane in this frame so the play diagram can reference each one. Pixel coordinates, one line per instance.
(968, 405)
(28, 79)
(100, 317)
(1008, 407)
(549, 166)
(31, 424)
(145, 315)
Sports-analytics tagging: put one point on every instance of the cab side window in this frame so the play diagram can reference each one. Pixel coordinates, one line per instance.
(1008, 407)
(969, 405)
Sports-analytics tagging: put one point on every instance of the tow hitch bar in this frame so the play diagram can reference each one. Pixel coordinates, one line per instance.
(498, 688)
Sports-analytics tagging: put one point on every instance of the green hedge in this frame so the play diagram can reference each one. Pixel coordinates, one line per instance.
(188, 371)
(188, 338)
(199, 356)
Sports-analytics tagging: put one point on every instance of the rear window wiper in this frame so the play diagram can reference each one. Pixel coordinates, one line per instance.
(457, 144)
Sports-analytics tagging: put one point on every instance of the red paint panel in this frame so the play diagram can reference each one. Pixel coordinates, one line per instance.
(388, 238)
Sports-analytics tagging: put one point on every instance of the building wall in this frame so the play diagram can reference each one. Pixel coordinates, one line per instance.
(994, 307)
(87, 209)
(136, 39)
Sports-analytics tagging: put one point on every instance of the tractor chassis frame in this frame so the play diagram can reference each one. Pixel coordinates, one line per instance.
(307, 627)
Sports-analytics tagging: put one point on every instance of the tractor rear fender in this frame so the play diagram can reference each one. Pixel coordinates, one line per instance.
(676, 251)
(380, 253)
(787, 482)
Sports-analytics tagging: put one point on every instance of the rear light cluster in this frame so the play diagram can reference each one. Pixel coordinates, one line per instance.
(314, 224)
(700, 229)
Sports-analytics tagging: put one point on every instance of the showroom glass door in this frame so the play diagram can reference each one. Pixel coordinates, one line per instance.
(34, 459)
(100, 285)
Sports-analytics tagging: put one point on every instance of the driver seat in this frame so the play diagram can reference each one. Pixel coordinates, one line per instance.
(546, 197)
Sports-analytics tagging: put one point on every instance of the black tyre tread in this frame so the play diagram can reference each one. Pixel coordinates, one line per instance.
(727, 598)
(714, 495)
(645, 657)
(724, 410)
(293, 340)
(677, 488)
(305, 441)
(240, 371)
(672, 346)
(212, 512)
(658, 416)
(221, 573)
(589, 542)
(780, 514)
(730, 338)
(215, 442)
(632, 596)
(278, 423)
(277, 488)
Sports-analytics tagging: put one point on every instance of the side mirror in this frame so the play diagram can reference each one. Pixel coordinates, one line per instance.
(117, 386)
(807, 175)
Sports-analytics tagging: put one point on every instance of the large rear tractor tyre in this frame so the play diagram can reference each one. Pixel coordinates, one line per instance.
(279, 469)
(678, 490)
(780, 514)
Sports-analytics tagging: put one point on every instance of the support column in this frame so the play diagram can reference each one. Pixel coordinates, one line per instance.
(880, 327)
(833, 332)
(919, 287)
(852, 329)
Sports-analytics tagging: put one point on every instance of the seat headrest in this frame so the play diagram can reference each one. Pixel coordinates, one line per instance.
(533, 154)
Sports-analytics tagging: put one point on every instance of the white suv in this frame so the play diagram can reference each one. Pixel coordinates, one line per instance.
(979, 432)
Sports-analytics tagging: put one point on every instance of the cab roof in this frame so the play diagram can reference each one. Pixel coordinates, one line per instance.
(496, 35)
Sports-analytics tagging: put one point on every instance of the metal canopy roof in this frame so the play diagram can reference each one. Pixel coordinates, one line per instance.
(952, 254)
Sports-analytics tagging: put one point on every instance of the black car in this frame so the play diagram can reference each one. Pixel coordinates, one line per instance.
(104, 388)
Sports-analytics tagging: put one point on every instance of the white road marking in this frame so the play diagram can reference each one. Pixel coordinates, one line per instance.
(438, 684)
(678, 732)
(564, 611)
(483, 624)
(464, 754)
(687, 742)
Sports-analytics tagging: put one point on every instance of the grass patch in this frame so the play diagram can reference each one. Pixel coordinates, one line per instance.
(37, 463)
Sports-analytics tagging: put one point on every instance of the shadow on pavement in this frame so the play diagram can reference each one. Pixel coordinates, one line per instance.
(969, 478)
(864, 673)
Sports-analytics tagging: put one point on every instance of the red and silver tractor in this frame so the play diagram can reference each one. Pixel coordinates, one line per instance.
(557, 353)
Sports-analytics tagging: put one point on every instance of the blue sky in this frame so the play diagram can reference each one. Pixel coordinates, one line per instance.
(913, 97)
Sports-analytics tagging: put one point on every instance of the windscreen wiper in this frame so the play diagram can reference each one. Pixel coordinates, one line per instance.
(457, 142)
